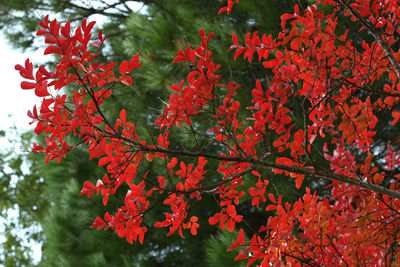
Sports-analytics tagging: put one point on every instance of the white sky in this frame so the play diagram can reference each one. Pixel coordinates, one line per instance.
(15, 103)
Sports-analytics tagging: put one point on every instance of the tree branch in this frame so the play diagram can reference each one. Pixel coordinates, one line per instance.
(331, 176)
(91, 11)
(263, 163)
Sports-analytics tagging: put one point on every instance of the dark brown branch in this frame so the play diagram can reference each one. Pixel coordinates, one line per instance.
(215, 186)
(264, 163)
(331, 176)
(337, 251)
(382, 93)
(91, 11)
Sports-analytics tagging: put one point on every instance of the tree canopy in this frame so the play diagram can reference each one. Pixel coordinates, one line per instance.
(59, 183)
(322, 103)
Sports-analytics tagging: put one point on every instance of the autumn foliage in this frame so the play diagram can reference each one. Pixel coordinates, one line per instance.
(320, 115)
